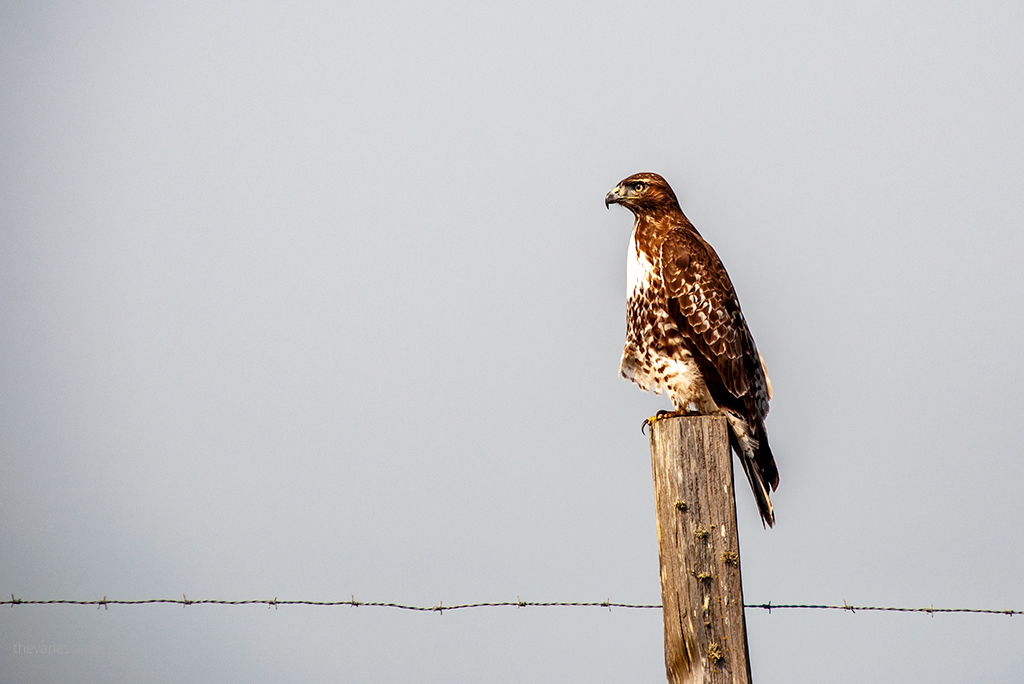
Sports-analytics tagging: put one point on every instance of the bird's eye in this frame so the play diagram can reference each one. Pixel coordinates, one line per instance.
(638, 187)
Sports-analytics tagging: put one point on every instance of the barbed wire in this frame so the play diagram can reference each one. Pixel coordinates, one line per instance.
(931, 610)
(518, 603)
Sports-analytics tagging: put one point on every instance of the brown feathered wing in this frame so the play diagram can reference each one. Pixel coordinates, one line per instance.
(703, 305)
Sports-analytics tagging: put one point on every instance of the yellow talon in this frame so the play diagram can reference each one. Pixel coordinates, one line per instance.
(665, 414)
(652, 420)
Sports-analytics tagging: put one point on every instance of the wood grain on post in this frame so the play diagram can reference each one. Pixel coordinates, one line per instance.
(701, 592)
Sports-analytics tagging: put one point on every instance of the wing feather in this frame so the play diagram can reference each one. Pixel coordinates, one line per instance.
(705, 309)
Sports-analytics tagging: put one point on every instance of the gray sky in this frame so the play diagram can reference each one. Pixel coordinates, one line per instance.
(318, 300)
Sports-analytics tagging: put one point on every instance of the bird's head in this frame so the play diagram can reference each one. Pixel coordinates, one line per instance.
(643, 193)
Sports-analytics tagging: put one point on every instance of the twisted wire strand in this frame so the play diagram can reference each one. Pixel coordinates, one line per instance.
(440, 607)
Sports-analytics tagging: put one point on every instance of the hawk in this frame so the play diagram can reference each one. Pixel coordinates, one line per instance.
(685, 333)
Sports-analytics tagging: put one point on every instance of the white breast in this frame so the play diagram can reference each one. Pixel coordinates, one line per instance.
(638, 268)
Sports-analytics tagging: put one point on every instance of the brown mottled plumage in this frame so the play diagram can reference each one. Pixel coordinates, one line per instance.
(685, 333)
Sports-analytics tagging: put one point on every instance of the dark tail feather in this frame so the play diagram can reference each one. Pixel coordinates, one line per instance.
(759, 465)
(764, 502)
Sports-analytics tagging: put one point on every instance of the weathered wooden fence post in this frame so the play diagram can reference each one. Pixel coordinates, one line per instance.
(701, 592)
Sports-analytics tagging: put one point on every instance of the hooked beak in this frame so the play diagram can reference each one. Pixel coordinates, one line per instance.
(613, 197)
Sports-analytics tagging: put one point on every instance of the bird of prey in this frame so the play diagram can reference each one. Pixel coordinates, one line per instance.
(685, 334)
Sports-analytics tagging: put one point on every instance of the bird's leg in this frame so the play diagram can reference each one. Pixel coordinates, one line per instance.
(661, 415)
